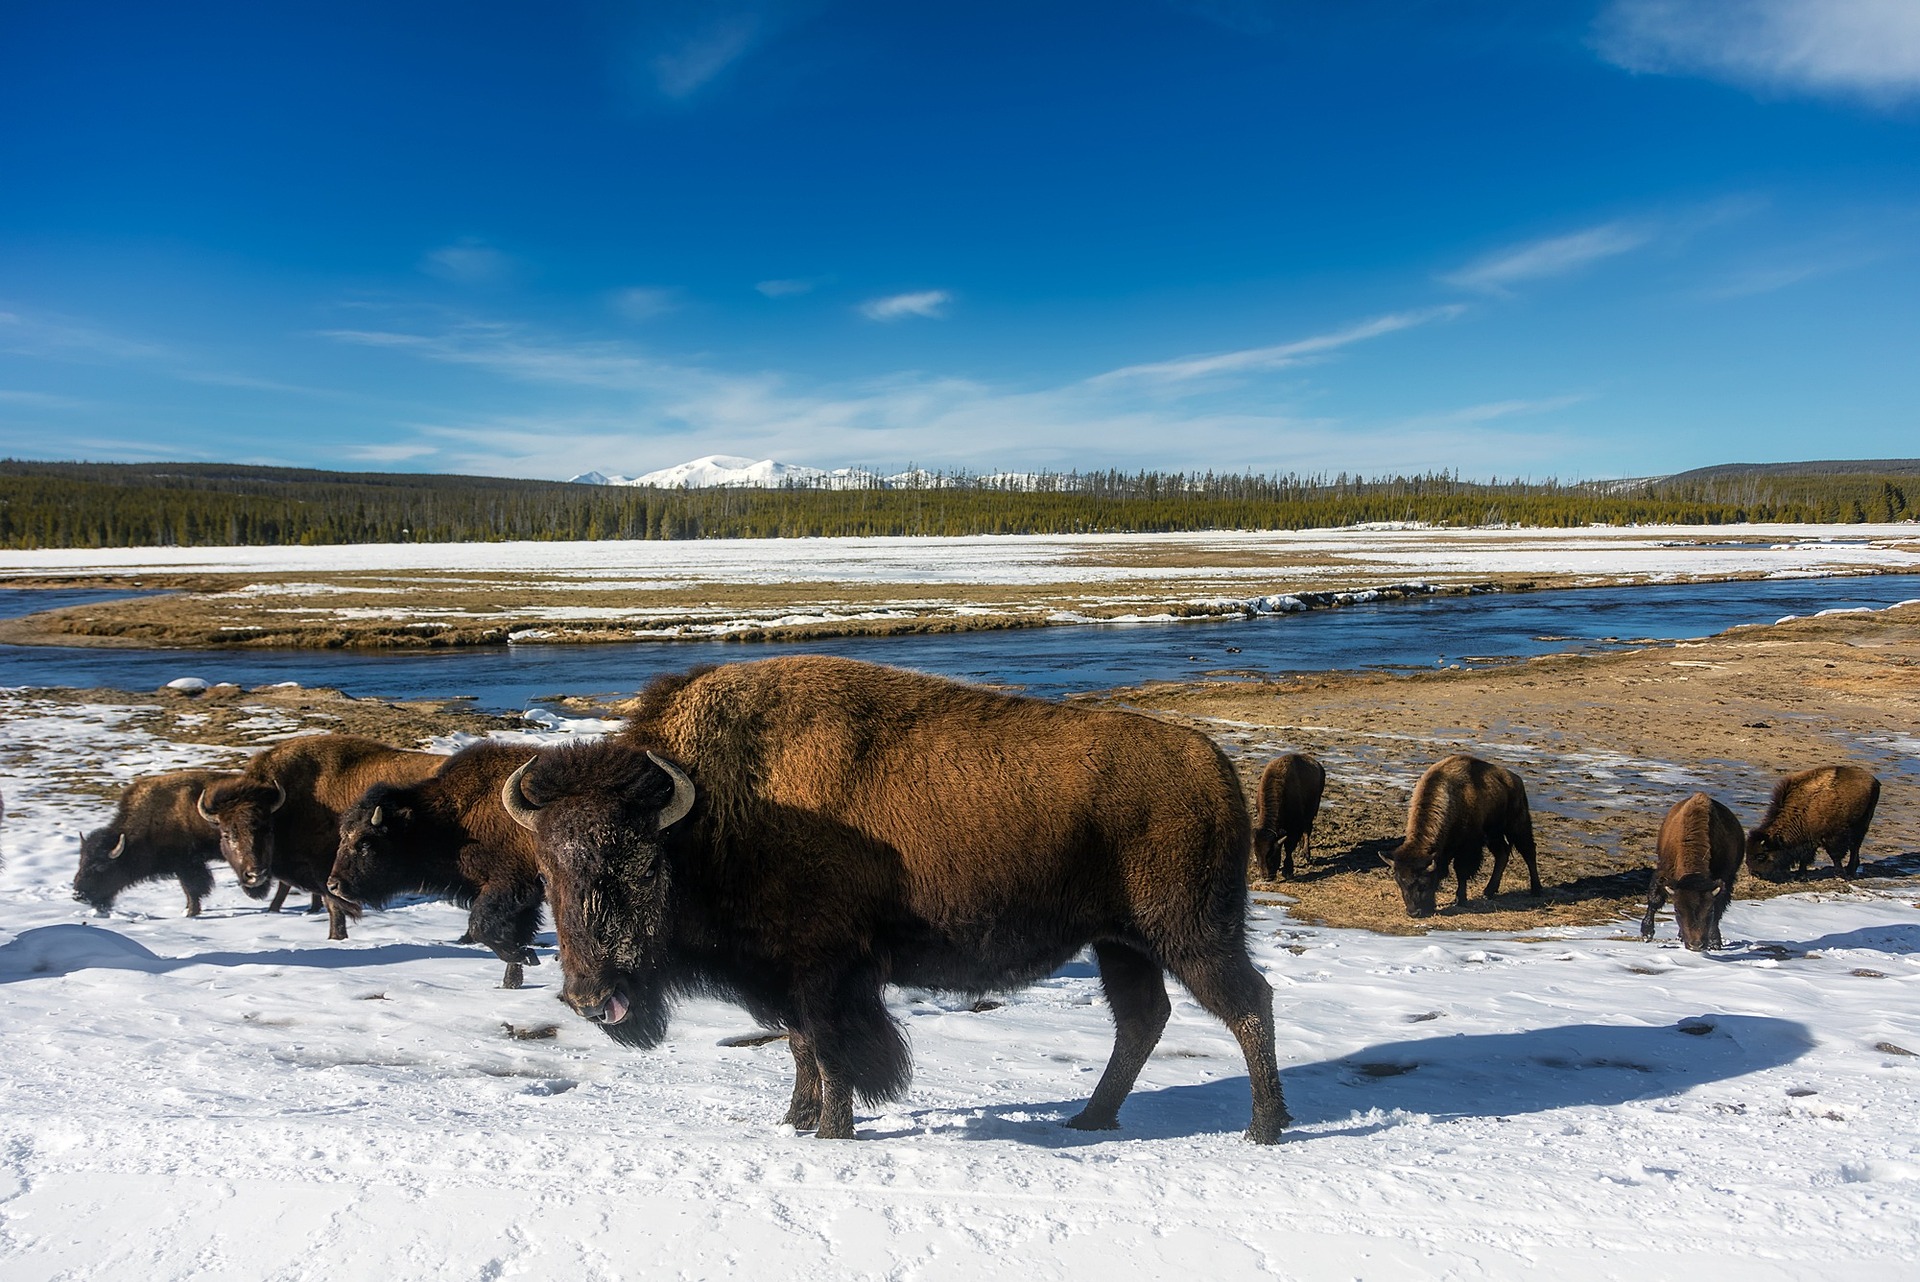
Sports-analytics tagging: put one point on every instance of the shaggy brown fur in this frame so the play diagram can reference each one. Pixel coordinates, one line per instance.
(1461, 806)
(295, 840)
(1699, 851)
(857, 825)
(1290, 791)
(1827, 807)
(155, 832)
(449, 835)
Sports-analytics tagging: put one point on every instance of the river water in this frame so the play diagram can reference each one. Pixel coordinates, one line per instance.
(1050, 662)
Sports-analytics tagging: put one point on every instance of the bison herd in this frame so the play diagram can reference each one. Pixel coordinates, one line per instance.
(794, 834)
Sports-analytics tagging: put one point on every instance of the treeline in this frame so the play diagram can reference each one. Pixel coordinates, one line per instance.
(63, 505)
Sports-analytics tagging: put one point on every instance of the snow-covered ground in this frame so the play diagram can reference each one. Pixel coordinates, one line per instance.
(236, 1097)
(1635, 553)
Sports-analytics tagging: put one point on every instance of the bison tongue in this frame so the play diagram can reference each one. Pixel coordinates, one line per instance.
(617, 1009)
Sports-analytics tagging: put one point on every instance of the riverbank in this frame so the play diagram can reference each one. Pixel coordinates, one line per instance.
(408, 596)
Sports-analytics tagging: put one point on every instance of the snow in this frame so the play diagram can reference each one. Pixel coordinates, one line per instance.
(1640, 554)
(235, 1097)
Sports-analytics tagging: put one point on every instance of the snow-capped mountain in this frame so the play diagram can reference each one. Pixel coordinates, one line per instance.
(731, 469)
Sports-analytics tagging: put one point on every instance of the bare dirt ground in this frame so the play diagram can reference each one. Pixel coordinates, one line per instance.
(1605, 743)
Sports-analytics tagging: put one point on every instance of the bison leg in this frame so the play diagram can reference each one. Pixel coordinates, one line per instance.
(1656, 896)
(1501, 852)
(803, 1112)
(1721, 898)
(197, 884)
(279, 897)
(1136, 991)
(1288, 843)
(858, 1047)
(336, 920)
(506, 918)
(1227, 984)
(315, 904)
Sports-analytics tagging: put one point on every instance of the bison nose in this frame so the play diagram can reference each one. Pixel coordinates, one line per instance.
(255, 880)
(610, 1009)
(334, 887)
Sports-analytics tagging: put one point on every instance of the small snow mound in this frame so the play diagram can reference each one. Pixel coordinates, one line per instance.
(1879, 1171)
(188, 685)
(61, 950)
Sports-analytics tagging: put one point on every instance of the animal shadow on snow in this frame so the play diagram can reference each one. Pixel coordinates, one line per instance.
(1442, 1078)
(60, 950)
(1895, 937)
(1363, 857)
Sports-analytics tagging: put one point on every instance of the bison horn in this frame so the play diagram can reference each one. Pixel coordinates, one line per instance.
(119, 847)
(515, 801)
(683, 794)
(375, 819)
(200, 804)
(280, 796)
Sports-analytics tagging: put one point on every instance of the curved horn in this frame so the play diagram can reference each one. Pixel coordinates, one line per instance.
(280, 797)
(374, 819)
(1385, 858)
(515, 801)
(200, 804)
(683, 794)
(119, 847)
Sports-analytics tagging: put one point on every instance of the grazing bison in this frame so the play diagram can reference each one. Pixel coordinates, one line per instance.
(798, 832)
(1827, 807)
(1289, 801)
(156, 831)
(280, 816)
(1461, 806)
(449, 835)
(1699, 851)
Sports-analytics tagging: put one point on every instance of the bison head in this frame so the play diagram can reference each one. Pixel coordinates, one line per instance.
(370, 867)
(600, 813)
(1418, 877)
(1694, 897)
(109, 863)
(1266, 851)
(243, 809)
(1768, 857)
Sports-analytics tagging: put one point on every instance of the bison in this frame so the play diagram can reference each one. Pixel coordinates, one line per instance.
(1461, 806)
(796, 833)
(1289, 801)
(1699, 850)
(449, 835)
(156, 832)
(280, 816)
(1827, 807)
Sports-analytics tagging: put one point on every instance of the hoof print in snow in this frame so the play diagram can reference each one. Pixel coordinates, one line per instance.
(1695, 1027)
(1381, 1068)
(1423, 1018)
(984, 1005)
(1801, 1092)
(1864, 973)
(1888, 1048)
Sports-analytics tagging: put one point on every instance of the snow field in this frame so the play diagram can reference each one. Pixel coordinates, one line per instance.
(236, 1097)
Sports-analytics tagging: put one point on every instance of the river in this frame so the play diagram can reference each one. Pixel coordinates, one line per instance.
(1049, 662)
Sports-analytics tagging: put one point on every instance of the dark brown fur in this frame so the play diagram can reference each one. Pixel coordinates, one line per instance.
(1289, 801)
(858, 825)
(322, 775)
(1699, 849)
(1461, 806)
(449, 835)
(163, 835)
(1827, 807)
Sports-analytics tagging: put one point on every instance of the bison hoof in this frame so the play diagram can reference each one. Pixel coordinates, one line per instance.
(802, 1119)
(1087, 1121)
(514, 976)
(528, 956)
(466, 938)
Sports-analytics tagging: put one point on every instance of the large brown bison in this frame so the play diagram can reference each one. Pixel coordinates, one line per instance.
(280, 816)
(1289, 801)
(1461, 806)
(156, 831)
(1699, 850)
(449, 835)
(796, 833)
(1827, 807)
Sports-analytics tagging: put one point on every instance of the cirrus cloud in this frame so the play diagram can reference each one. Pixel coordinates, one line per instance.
(929, 303)
(1855, 48)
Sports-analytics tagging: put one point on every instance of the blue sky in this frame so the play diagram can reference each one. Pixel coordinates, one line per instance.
(1615, 237)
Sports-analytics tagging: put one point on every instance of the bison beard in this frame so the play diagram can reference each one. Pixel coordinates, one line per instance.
(858, 825)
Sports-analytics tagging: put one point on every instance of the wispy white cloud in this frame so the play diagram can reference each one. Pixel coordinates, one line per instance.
(395, 453)
(645, 302)
(1500, 271)
(785, 288)
(40, 400)
(1279, 356)
(1867, 49)
(689, 67)
(930, 303)
(468, 261)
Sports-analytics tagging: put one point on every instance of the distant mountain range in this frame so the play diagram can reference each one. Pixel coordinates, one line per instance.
(719, 470)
